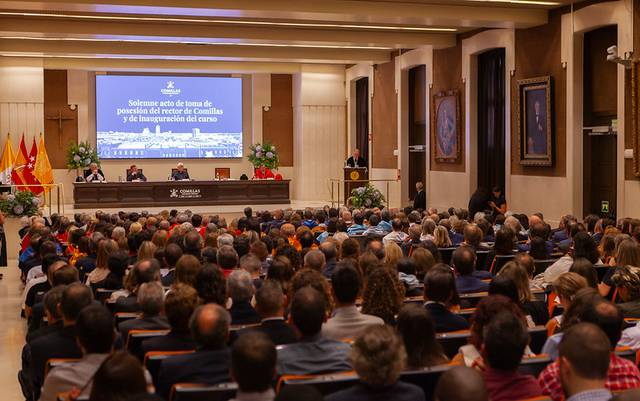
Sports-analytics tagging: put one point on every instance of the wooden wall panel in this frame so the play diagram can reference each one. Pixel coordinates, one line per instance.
(277, 123)
(447, 73)
(538, 53)
(60, 122)
(628, 133)
(384, 117)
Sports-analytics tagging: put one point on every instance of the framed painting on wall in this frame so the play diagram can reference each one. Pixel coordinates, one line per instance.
(445, 125)
(534, 122)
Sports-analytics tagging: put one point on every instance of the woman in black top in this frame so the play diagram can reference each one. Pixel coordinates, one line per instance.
(498, 203)
(479, 202)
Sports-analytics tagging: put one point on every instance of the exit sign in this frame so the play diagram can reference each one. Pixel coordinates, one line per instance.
(604, 206)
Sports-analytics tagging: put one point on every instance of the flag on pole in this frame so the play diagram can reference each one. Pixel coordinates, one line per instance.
(42, 170)
(19, 163)
(28, 170)
(6, 163)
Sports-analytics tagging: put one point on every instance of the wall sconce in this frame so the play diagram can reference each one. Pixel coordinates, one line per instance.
(564, 65)
(512, 72)
(266, 108)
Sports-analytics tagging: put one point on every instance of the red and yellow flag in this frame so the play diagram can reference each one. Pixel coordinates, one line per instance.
(19, 164)
(42, 170)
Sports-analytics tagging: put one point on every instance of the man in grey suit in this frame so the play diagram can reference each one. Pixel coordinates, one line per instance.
(314, 354)
(347, 321)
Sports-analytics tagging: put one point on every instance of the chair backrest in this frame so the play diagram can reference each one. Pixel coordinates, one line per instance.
(136, 337)
(452, 341)
(626, 353)
(446, 254)
(325, 384)
(542, 264)
(173, 170)
(534, 365)
(472, 299)
(102, 295)
(499, 261)
(481, 260)
(196, 392)
(55, 362)
(153, 360)
(537, 338)
(427, 379)
(124, 316)
(222, 172)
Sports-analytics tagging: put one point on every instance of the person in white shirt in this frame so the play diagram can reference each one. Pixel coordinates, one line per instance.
(397, 235)
(95, 174)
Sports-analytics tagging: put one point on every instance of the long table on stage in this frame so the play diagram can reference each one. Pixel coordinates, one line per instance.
(168, 193)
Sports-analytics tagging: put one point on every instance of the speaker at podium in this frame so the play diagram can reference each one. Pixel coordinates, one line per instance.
(354, 177)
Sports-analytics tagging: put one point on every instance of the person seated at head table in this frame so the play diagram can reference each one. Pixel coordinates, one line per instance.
(262, 173)
(135, 175)
(180, 173)
(94, 174)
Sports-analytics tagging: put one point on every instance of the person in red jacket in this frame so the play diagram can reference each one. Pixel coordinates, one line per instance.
(262, 173)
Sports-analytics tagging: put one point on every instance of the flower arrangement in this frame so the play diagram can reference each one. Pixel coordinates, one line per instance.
(21, 203)
(264, 155)
(81, 155)
(367, 196)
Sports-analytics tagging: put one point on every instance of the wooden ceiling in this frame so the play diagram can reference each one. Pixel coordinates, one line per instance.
(259, 31)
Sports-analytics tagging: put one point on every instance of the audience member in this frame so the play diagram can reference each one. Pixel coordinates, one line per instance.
(378, 357)
(151, 301)
(240, 289)
(347, 321)
(439, 293)
(461, 384)
(253, 367)
(210, 363)
(464, 261)
(270, 302)
(95, 335)
(120, 377)
(419, 336)
(313, 353)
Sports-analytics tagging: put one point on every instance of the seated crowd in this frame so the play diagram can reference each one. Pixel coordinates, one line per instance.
(377, 295)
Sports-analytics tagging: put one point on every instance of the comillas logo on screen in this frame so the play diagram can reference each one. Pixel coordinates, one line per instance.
(170, 89)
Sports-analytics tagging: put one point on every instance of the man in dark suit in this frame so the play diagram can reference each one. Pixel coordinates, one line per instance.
(270, 307)
(150, 298)
(179, 305)
(180, 173)
(439, 288)
(210, 363)
(172, 253)
(144, 271)
(62, 343)
(356, 160)
(94, 174)
(253, 367)
(420, 200)
(135, 175)
(314, 353)
(240, 289)
(537, 129)
(464, 263)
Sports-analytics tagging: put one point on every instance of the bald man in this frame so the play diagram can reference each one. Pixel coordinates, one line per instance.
(461, 384)
(211, 362)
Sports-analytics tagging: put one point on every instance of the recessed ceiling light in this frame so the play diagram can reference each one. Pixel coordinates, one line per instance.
(236, 22)
(248, 44)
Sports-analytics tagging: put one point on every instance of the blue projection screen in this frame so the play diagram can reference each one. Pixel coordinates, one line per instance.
(168, 117)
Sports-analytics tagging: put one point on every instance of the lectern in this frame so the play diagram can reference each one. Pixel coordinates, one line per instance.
(354, 177)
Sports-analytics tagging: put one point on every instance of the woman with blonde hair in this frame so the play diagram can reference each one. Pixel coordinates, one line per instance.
(565, 287)
(533, 309)
(441, 237)
(105, 248)
(147, 250)
(428, 227)
(424, 260)
(392, 254)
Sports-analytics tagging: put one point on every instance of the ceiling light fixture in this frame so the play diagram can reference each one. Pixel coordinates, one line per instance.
(236, 22)
(523, 2)
(51, 39)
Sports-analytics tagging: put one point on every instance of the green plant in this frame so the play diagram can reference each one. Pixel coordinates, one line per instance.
(264, 155)
(21, 203)
(81, 155)
(367, 196)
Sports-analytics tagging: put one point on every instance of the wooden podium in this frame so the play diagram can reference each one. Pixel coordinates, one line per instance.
(354, 177)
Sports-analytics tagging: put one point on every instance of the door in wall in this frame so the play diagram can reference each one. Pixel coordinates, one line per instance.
(417, 127)
(491, 132)
(600, 185)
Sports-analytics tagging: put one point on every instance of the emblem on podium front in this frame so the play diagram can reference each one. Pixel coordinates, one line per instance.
(354, 175)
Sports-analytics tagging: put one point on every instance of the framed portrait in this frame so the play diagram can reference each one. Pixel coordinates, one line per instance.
(635, 116)
(534, 122)
(445, 126)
